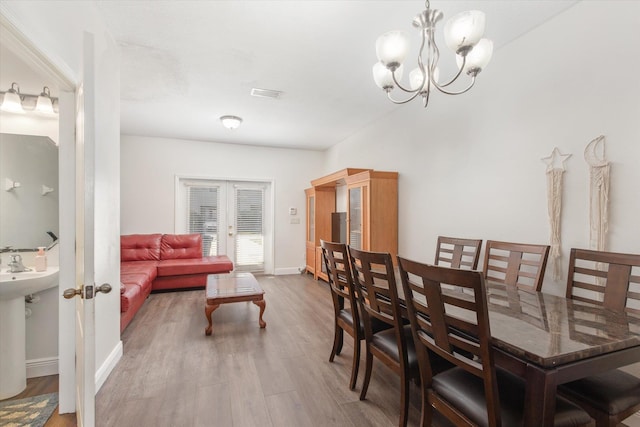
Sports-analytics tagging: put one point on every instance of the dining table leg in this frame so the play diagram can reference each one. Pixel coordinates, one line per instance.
(540, 396)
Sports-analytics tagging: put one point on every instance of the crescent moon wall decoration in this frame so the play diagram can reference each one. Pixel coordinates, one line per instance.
(599, 177)
(555, 169)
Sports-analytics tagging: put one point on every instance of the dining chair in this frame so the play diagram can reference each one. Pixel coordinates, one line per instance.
(611, 280)
(458, 253)
(517, 264)
(346, 317)
(374, 278)
(474, 392)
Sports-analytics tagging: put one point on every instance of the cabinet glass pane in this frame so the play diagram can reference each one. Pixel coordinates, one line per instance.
(312, 219)
(355, 217)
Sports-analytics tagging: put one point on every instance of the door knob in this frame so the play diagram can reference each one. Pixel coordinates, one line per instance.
(71, 292)
(105, 288)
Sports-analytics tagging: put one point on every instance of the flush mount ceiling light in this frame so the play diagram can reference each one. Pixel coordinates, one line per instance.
(463, 34)
(13, 101)
(231, 122)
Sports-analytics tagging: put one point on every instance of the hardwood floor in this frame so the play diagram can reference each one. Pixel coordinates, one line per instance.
(171, 374)
(44, 385)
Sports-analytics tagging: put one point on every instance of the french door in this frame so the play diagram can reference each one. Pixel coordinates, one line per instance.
(233, 217)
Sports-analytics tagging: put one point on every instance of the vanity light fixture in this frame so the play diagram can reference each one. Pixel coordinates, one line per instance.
(44, 104)
(463, 34)
(231, 122)
(13, 101)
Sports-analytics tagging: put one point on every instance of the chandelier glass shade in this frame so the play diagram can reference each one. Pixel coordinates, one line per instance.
(462, 33)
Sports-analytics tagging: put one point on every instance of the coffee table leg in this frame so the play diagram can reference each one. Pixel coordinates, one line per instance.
(262, 304)
(208, 309)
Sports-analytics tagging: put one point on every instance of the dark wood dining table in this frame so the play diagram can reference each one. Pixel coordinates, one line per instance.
(549, 340)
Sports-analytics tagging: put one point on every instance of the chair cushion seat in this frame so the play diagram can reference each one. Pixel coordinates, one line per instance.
(466, 393)
(386, 342)
(610, 392)
(376, 325)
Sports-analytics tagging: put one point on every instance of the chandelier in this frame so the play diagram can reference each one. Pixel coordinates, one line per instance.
(462, 33)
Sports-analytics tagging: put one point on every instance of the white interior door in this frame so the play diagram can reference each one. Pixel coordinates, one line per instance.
(85, 159)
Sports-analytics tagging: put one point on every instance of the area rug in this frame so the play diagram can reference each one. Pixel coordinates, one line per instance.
(31, 411)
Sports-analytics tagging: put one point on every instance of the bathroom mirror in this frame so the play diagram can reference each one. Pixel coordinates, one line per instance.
(28, 191)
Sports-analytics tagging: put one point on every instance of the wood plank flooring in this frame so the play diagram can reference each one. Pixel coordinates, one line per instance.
(171, 374)
(44, 385)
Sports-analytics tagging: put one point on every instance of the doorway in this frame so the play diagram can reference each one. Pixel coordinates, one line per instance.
(234, 217)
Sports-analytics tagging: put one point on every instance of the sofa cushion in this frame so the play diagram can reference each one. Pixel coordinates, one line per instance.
(205, 265)
(131, 293)
(139, 279)
(147, 267)
(140, 247)
(181, 246)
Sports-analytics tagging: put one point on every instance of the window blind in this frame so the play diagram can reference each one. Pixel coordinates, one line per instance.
(203, 203)
(249, 241)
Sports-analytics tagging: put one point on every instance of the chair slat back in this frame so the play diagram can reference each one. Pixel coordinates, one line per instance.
(374, 278)
(458, 253)
(446, 321)
(336, 261)
(516, 264)
(605, 278)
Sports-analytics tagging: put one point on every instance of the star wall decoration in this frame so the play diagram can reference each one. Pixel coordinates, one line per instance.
(556, 160)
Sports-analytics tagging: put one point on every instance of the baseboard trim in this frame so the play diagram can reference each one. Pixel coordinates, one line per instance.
(42, 367)
(109, 364)
(287, 270)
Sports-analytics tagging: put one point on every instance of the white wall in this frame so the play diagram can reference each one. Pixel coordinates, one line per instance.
(57, 30)
(478, 173)
(149, 167)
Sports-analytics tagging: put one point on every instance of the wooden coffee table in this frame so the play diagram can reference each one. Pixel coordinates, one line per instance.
(232, 287)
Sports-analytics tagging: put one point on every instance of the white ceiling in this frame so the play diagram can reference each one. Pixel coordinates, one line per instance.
(186, 63)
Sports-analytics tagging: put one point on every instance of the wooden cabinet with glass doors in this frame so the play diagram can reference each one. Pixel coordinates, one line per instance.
(372, 213)
(319, 202)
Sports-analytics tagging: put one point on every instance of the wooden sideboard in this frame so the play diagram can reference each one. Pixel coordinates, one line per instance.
(372, 213)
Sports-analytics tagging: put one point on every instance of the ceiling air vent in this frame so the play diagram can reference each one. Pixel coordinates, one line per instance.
(265, 93)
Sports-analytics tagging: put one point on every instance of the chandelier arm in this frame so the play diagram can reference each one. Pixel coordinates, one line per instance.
(393, 74)
(411, 98)
(464, 60)
(473, 80)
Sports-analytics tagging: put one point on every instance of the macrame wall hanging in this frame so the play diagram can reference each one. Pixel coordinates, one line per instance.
(598, 193)
(555, 169)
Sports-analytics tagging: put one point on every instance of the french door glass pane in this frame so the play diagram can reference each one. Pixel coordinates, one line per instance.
(249, 237)
(203, 216)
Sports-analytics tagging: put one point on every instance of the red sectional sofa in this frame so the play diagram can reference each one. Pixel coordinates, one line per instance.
(150, 262)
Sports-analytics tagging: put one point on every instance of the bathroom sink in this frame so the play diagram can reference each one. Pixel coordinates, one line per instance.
(13, 285)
